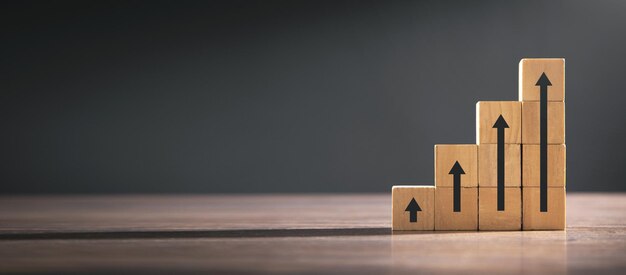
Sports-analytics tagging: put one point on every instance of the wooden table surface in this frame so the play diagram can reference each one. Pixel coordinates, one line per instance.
(289, 234)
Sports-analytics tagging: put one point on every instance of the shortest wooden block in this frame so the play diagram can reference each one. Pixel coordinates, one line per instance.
(490, 218)
(446, 218)
(532, 166)
(413, 207)
(534, 219)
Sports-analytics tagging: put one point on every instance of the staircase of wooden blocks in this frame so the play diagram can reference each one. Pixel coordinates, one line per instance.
(513, 178)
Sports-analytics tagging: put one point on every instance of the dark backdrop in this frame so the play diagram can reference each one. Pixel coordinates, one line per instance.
(288, 96)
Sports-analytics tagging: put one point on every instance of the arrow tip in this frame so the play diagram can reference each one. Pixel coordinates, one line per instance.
(456, 169)
(413, 206)
(543, 80)
(501, 123)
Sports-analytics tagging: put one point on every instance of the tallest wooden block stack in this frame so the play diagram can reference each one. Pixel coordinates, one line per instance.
(542, 93)
(513, 177)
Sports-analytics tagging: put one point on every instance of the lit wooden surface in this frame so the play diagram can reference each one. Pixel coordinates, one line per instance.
(401, 196)
(487, 113)
(531, 114)
(554, 218)
(532, 167)
(446, 155)
(446, 218)
(488, 168)
(530, 69)
(490, 218)
(314, 234)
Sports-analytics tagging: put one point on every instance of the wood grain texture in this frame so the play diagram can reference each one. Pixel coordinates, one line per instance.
(530, 69)
(445, 157)
(487, 112)
(402, 196)
(531, 123)
(488, 165)
(447, 219)
(556, 165)
(553, 219)
(489, 218)
(312, 234)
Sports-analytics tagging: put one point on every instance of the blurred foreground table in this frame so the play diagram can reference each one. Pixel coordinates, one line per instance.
(314, 234)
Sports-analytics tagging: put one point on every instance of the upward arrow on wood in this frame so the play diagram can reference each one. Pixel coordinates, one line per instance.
(501, 125)
(457, 170)
(413, 208)
(543, 83)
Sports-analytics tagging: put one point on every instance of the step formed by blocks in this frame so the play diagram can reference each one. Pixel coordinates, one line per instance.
(553, 218)
(464, 217)
(413, 207)
(488, 113)
(488, 165)
(531, 123)
(532, 169)
(446, 158)
(490, 218)
(531, 69)
(513, 178)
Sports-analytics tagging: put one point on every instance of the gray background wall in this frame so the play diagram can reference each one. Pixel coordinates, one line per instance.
(288, 96)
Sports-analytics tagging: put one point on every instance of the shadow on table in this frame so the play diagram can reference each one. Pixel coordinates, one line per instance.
(230, 233)
(183, 234)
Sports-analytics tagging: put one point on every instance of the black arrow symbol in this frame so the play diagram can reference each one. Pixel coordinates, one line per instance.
(457, 170)
(413, 207)
(543, 83)
(501, 125)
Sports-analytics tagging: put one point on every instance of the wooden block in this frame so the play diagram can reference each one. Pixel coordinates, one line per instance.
(531, 165)
(531, 123)
(531, 69)
(409, 215)
(489, 218)
(553, 219)
(446, 155)
(488, 165)
(488, 112)
(445, 216)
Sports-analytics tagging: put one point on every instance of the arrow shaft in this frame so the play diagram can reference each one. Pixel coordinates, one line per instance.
(457, 193)
(413, 217)
(500, 169)
(543, 150)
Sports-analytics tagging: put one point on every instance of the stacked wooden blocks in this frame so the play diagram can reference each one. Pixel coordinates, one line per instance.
(513, 178)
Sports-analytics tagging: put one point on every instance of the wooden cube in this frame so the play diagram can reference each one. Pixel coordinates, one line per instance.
(488, 165)
(445, 216)
(531, 69)
(531, 123)
(490, 218)
(531, 166)
(447, 155)
(413, 207)
(488, 112)
(553, 219)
